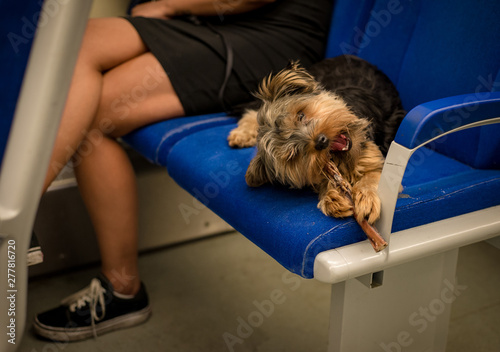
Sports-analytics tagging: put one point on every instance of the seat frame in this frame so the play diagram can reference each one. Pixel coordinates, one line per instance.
(40, 104)
(412, 283)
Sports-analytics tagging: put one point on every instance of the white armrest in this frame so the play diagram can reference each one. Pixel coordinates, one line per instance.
(358, 259)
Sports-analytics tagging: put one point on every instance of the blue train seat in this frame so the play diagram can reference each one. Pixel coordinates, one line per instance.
(411, 41)
(443, 58)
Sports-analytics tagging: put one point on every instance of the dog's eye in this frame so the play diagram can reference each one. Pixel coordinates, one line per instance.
(301, 116)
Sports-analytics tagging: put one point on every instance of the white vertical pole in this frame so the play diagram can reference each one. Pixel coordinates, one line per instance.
(34, 128)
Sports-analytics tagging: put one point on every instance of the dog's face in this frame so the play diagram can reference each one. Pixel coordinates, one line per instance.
(301, 128)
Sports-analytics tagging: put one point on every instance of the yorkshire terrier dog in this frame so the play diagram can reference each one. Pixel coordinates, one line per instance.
(342, 111)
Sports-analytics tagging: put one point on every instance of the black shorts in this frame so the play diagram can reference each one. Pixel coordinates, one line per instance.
(193, 53)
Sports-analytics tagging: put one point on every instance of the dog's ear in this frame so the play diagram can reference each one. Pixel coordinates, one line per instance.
(256, 174)
(292, 80)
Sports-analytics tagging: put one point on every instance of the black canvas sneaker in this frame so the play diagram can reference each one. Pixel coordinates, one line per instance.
(93, 311)
(35, 255)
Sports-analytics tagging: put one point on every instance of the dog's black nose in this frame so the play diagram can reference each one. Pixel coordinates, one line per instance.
(322, 142)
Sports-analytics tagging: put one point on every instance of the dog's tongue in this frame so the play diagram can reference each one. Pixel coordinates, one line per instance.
(340, 143)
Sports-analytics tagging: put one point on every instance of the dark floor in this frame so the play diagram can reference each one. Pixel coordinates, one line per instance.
(201, 291)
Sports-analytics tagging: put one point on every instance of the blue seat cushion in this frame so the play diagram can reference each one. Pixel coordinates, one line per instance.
(155, 141)
(414, 43)
(287, 224)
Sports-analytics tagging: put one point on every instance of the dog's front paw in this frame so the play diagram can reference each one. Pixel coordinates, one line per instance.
(333, 204)
(242, 138)
(367, 204)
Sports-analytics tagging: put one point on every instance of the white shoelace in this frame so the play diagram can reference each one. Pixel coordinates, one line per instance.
(92, 294)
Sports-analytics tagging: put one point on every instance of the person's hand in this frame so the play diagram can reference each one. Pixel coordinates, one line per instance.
(154, 9)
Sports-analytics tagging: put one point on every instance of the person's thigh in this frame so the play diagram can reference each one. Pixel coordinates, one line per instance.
(136, 93)
(109, 42)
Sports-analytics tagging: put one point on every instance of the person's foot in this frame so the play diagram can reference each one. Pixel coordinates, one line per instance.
(35, 255)
(93, 311)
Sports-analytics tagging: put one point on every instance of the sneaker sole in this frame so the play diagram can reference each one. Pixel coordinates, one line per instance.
(35, 256)
(78, 334)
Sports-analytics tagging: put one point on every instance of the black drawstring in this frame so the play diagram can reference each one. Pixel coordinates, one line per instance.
(229, 67)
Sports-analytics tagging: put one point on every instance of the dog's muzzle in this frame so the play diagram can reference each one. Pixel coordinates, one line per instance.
(341, 143)
(322, 142)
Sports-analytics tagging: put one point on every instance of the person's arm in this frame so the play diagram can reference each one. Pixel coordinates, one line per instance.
(172, 8)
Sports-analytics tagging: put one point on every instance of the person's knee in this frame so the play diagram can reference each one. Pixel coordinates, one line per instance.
(88, 48)
(108, 42)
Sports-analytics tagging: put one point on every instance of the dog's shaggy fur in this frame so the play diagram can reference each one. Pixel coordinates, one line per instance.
(343, 110)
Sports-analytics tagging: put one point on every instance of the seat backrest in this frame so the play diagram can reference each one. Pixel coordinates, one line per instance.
(430, 50)
(18, 22)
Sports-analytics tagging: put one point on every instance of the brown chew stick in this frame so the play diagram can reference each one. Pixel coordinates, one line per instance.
(376, 240)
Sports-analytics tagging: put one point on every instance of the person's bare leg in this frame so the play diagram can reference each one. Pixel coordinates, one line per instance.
(107, 43)
(134, 91)
(107, 185)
